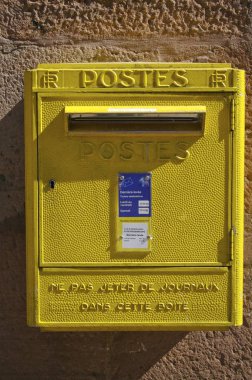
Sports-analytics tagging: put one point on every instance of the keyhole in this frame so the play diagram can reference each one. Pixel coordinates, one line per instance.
(52, 183)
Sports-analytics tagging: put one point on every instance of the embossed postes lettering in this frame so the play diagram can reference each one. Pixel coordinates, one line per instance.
(159, 79)
(134, 150)
(134, 78)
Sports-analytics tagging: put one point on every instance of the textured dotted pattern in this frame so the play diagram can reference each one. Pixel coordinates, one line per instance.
(65, 306)
(190, 198)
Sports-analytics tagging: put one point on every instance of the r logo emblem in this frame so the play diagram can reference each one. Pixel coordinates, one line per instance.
(50, 79)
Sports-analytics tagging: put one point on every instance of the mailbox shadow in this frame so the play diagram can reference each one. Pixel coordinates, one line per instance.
(142, 350)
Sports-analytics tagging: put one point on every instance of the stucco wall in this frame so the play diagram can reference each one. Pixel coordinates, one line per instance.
(105, 30)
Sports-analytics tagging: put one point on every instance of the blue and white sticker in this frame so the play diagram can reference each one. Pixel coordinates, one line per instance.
(134, 194)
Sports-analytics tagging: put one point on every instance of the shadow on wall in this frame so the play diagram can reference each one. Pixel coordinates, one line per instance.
(26, 352)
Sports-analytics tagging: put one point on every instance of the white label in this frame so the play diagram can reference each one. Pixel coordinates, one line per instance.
(143, 203)
(143, 211)
(135, 235)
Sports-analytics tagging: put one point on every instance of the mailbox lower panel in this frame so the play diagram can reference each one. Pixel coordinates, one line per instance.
(134, 299)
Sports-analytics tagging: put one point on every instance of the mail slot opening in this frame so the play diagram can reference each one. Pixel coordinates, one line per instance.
(137, 123)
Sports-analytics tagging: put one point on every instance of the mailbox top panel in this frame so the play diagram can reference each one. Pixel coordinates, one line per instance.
(135, 77)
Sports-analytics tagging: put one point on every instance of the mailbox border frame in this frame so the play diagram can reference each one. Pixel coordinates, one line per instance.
(31, 181)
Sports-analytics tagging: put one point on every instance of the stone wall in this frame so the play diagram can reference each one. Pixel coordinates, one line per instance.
(105, 30)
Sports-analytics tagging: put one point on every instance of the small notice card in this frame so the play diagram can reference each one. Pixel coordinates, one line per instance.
(135, 235)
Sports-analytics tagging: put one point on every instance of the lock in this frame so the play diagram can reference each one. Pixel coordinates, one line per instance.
(134, 196)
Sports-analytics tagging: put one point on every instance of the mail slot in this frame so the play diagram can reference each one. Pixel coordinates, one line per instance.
(141, 122)
(134, 196)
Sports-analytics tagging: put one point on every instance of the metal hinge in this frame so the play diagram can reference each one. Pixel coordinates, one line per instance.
(232, 116)
(232, 233)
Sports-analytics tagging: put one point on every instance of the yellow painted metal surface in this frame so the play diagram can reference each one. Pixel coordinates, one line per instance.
(80, 265)
(145, 298)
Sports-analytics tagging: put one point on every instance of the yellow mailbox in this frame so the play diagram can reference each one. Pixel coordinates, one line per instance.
(134, 196)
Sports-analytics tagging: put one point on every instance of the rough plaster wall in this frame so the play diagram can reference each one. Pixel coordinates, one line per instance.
(79, 31)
